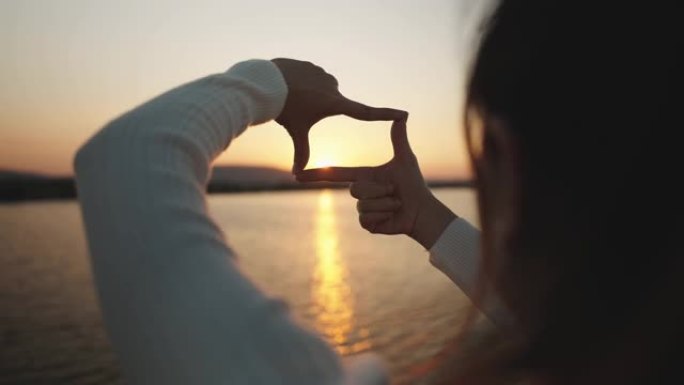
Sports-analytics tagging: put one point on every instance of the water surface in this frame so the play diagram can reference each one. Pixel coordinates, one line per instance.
(362, 292)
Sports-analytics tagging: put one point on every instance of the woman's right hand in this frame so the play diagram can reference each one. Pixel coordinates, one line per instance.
(392, 198)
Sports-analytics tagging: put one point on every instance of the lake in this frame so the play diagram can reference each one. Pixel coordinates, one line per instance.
(362, 292)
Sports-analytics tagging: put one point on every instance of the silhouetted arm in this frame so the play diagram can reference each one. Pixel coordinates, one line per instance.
(394, 199)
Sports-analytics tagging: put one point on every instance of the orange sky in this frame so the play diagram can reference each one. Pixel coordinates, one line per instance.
(71, 65)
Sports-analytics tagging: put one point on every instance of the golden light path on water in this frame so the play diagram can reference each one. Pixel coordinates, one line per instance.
(332, 296)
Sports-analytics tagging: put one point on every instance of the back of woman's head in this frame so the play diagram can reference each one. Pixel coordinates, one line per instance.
(572, 122)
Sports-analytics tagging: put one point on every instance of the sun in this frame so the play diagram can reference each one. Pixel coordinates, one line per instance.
(323, 162)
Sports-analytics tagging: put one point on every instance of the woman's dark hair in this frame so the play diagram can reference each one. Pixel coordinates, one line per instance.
(594, 272)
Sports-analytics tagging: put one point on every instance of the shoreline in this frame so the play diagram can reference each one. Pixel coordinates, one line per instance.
(60, 189)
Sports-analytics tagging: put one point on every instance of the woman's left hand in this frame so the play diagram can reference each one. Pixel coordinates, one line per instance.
(313, 95)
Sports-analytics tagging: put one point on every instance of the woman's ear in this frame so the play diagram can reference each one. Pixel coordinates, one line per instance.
(498, 170)
(494, 149)
(501, 159)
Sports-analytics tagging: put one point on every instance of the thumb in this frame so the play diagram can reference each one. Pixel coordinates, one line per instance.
(300, 138)
(400, 142)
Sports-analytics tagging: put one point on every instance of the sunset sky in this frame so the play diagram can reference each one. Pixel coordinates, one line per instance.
(69, 66)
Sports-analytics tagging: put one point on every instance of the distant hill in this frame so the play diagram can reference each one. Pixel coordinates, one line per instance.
(19, 186)
(250, 178)
(249, 175)
(17, 175)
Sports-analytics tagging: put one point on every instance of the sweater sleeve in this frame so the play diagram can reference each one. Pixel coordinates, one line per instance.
(176, 306)
(457, 254)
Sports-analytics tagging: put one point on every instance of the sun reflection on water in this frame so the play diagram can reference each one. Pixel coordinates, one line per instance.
(332, 296)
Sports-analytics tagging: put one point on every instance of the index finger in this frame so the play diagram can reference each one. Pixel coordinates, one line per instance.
(361, 111)
(335, 174)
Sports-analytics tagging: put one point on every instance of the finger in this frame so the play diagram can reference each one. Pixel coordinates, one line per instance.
(334, 174)
(400, 142)
(301, 150)
(378, 205)
(361, 111)
(370, 221)
(368, 189)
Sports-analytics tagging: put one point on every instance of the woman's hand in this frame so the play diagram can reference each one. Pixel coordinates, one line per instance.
(312, 96)
(393, 198)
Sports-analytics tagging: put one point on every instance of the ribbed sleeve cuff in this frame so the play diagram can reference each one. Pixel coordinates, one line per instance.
(457, 253)
(265, 75)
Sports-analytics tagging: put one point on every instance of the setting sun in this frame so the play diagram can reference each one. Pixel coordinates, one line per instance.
(323, 162)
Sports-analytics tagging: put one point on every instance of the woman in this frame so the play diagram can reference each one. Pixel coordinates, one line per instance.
(570, 122)
(582, 283)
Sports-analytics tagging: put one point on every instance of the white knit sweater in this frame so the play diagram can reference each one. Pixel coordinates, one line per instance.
(177, 307)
